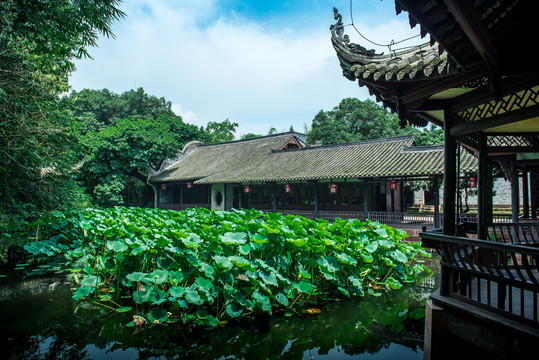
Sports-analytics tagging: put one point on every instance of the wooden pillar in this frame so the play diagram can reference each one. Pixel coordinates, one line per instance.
(484, 187)
(450, 188)
(274, 197)
(450, 176)
(181, 196)
(240, 191)
(316, 199)
(515, 205)
(366, 199)
(534, 192)
(436, 202)
(525, 195)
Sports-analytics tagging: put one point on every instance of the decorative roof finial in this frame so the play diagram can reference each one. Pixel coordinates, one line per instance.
(337, 30)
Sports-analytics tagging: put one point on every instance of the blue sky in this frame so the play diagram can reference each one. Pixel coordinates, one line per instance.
(261, 64)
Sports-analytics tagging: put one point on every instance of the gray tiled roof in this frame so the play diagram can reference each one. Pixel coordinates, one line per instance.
(256, 160)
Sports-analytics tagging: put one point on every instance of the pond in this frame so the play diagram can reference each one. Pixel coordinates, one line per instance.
(41, 321)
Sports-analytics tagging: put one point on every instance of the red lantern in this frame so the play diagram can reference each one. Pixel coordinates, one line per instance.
(473, 182)
(393, 184)
(333, 188)
(247, 189)
(163, 186)
(288, 188)
(189, 185)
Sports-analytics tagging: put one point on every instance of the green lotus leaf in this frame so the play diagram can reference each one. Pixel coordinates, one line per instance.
(192, 241)
(223, 262)
(158, 316)
(177, 291)
(233, 238)
(382, 232)
(297, 242)
(304, 286)
(140, 296)
(136, 276)
(281, 298)
(372, 247)
(158, 276)
(233, 310)
(269, 278)
(262, 301)
(345, 258)
(205, 284)
(244, 249)
(117, 246)
(193, 297)
(83, 291)
(91, 281)
(259, 238)
(399, 256)
(208, 270)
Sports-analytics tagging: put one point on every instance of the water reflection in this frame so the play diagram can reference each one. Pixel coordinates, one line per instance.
(39, 321)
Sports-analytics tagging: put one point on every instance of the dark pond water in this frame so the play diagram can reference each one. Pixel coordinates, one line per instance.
(39, 320)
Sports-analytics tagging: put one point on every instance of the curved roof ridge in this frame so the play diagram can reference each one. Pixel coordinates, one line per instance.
(354, 143)
(289, 133)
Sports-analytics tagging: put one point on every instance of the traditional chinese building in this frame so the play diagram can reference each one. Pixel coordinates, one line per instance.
(475, 79)
(279, 173)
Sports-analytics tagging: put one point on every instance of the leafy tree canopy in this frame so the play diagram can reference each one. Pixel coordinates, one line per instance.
(432, 135)
(354, 120)
(217, 132)
(96, 109)
(39, 41)
(125, 149)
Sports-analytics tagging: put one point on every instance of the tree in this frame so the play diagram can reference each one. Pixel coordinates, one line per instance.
(354, 120)
(250, 136)
(97, 109)
(432, 135)
(119, 156)
(217, 132)
(39, 41)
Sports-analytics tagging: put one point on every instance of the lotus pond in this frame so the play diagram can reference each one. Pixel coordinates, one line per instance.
(139, 283)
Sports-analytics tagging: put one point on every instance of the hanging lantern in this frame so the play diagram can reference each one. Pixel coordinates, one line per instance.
(163, 186)
(393, 184)
(288, 188)
(333, 188)
(189, 185)
(473, 182)
(247, 189)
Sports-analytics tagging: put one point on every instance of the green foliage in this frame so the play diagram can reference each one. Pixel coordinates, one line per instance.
(432, 135)
(126, 149)
(354, 120)
(249, 136)
(206, 267)
(217, 132)
(98, 109)
(38, 145)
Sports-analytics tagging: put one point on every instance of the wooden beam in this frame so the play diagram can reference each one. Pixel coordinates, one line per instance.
(469, 21)
(509, 85)
(440, 85)
(494, 121)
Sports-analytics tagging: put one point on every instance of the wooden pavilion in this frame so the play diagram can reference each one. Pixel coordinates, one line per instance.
(477, 80)
(278, 173)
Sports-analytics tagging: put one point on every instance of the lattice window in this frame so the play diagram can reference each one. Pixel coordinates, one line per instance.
(166, 196)
(509, 103)
(509, 141)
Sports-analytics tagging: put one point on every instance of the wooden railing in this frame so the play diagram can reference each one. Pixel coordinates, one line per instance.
(515, 233)
(499, 277)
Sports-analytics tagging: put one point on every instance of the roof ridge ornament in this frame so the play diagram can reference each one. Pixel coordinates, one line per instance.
(337, 30)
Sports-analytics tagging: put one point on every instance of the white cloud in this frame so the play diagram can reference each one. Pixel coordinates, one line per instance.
(187, 116)
(223, 66)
